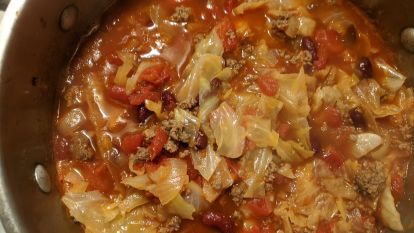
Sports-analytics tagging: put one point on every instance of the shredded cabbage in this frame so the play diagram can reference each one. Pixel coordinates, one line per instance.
(206, 107)
(178, 206)
(220, 180)
(124, 69)
(165, 183)
(259, 131)
(194, 196)
(389, 214)
(249, 5)
(370, 93)
(100, 215)
(155, 107)
(393, 80)
(206, 161)
(229, 134)
(254, 165)
(79, 184)
(131, 83)
(292, 152)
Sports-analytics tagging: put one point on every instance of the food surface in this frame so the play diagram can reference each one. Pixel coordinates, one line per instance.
(234, 116)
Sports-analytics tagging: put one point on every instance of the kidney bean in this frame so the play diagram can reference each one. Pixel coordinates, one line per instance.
(315, 144)
(201, 141)
(142, 113)
(357, 118)
(365, 67)
(218, 220)
(308, 44)
(168, 100)
(215, 83)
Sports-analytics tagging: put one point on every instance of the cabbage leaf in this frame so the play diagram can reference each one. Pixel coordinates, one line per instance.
(229, 134)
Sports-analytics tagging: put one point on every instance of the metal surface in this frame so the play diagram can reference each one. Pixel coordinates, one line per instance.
(34, 51)
(42, 178)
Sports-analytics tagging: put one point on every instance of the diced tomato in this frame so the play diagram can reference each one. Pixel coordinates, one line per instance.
(115, 60)
(229, 5)
(330, 39)
(131, 142)
(284, 130)
(331, 116)
(261, 207)
(144, 93)
(328, 42)
(193, 173)
(157, 143)
(227, 33)
(324, 227)
(98, 176)
(157, 74)
(268, 85)
(118, 93)
(61, 149)
(397, 184)
(333, 158)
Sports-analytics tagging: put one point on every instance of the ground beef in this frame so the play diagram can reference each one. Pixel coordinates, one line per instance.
(142, 154)
(279, 24)
(184, 153)
(270, 175)
(171, 146)
(81, 147)
(188, 104)
(234, 64)
(370, 178)
(237, 192)
(181, 14)
(149, 133)
(178, 131)
(171, 225)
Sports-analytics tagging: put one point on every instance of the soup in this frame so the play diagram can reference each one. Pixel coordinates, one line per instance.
(234, 116)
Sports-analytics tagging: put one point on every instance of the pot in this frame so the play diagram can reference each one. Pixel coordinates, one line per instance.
(37, 39)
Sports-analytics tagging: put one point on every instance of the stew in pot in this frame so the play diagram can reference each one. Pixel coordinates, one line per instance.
(234, 116)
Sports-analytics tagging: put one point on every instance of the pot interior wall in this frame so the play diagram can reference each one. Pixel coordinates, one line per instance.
(37, 52)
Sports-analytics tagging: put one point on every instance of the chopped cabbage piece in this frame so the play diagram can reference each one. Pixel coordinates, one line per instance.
(178, 206)
(254, 165)
(292, 152)
(155, 107)
(131, 83)
(206, 161)
(229, 134)
(365, 143)
(166, 182)
(389, 213)
(249, 5)
(393, 80)
(259, 131)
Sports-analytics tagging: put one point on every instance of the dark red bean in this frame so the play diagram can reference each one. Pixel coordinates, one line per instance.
(308, 44)
(201, 141)
(219, 221)
(364, 67)
(308, 68)
(357, 118)
(315, 144)
(215, 83)
(142, 113)
(168, 100)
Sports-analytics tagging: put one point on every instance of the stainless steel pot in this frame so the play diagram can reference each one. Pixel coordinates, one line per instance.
(35, 46)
